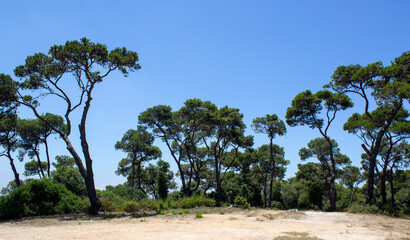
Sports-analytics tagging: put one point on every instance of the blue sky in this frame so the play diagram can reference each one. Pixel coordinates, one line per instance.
(251, 55)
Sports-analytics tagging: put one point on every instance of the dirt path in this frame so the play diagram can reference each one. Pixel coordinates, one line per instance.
(239, 224)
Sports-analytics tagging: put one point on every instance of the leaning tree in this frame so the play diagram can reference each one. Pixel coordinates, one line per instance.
(306, 109)
(387, 88)
(47, 76)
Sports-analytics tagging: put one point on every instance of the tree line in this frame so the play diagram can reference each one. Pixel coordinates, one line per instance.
(208, 144)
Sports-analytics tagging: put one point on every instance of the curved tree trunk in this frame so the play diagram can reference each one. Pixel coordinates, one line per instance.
(332, 190)
(48, 158)
(13, 167)
(39, 164)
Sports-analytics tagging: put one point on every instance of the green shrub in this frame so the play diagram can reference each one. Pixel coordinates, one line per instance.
(183, 211)
(198, 215)
(131, 207)
(163, 205)
(359, 208)
(40, 197)
(108, 205)
(196, 201)
(276, 205)
(241, 201)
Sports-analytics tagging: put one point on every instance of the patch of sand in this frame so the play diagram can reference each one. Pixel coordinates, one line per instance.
(238, 224)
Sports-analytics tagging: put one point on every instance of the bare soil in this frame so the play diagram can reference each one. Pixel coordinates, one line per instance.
(215, 224)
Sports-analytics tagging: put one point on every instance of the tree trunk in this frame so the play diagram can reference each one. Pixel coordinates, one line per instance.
(383, 187)
(352, 197)
(265, 193)
(272, 172)
(218, 182)
(139, 175)
(95, 202)
(133, 173)
(39, 164)
(332, 193)
(375, 151)
(370, 180)
(13, 167)
(391, 189)
(48, 158)
(270, 191)
(89, 180)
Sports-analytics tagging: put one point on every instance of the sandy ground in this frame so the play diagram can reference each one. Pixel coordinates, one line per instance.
(232, 224)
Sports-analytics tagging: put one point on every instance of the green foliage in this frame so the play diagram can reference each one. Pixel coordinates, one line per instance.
(8, 95)
(119, 195)
(198, 215)
(108, 205)
(276, 205)
(68, 174)
(138, 145)
(290, 195)
(32, 168)
(183, 211)
(40, 197)
(360, 208)
(162, 185)
(196, 201)
(131, 207)
(270, 124)
(241, 201)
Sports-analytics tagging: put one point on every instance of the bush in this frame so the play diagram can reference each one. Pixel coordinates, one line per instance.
(40, 197)
(241, 201)
(289, 196)
(131, 207)
(358, 208)
(196, 201)
(198, 215)
(276, 205)
(108, 205)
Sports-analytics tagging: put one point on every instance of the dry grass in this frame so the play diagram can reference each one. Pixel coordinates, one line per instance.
(296, 236)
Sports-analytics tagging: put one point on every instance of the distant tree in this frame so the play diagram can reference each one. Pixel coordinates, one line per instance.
(311, 177)
(138, 145)
(306, 109)
(33, 168)
(399, 160)
(224, 142)
(163, 182)
(272, 126)
(182, 131)
(45, 131)
(29, 132)
(330, 160)
(388, 87)
(367, 131)
(150, 180)
(351, 178)
(263, 168)
(9, 141)
(45, 74)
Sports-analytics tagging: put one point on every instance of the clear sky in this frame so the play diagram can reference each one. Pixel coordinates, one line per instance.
(251, 55)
